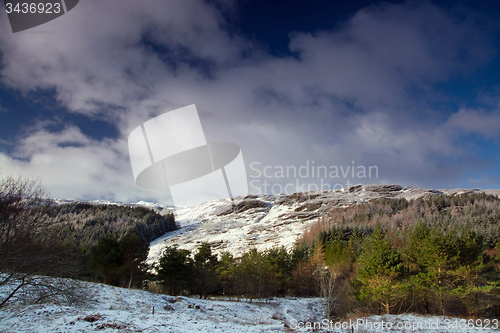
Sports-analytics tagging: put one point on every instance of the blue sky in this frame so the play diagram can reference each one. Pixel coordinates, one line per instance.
(411, 87)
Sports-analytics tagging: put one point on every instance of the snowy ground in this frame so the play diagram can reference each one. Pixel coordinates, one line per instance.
(113, 309)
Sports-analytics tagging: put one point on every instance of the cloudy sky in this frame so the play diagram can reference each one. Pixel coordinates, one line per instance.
(411, 87)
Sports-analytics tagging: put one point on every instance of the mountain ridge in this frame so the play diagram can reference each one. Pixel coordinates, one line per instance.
(264, 221)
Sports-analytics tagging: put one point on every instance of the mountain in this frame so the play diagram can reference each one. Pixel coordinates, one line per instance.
(264, 221)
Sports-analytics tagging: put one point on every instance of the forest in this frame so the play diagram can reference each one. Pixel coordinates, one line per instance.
(438, 255)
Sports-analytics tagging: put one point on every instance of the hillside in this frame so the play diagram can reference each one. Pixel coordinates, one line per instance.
(264, 221)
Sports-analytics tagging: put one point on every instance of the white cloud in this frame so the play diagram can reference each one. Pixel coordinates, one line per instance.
(71, 165)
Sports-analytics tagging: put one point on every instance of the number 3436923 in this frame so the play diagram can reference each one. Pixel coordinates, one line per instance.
(32, 8)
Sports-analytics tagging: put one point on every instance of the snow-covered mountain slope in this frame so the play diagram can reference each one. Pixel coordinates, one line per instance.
(266, 220)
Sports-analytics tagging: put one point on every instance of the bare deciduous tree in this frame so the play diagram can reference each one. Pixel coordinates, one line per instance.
(30, 250)
(325, 279)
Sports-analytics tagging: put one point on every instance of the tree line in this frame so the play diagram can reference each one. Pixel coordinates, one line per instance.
(256, 274)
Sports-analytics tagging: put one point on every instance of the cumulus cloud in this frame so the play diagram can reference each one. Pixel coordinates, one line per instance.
(75, 166)
(356, 93)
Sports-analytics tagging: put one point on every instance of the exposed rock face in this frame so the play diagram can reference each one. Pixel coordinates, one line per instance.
(245, 205)
(382, 188)
(266, 220)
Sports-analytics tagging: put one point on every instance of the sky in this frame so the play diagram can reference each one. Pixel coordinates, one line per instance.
(410, 89)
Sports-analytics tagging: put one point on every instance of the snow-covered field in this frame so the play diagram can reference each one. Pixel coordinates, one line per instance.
(111, 309)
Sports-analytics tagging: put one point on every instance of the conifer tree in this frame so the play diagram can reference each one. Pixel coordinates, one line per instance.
(106, 260)
(433, 257)
(470, 283)
(380, 274)
(175, 269)
(135, 252)
(280, 263)
(205, 264)
(226, 270)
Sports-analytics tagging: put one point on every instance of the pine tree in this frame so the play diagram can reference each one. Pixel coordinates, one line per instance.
(253, 269)
(175, 269)
(432, 258)
(135, 252)
(205, 264)
(471, 285)
(106, 260)
(380, 274)
(280, 263)
(226, 270)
